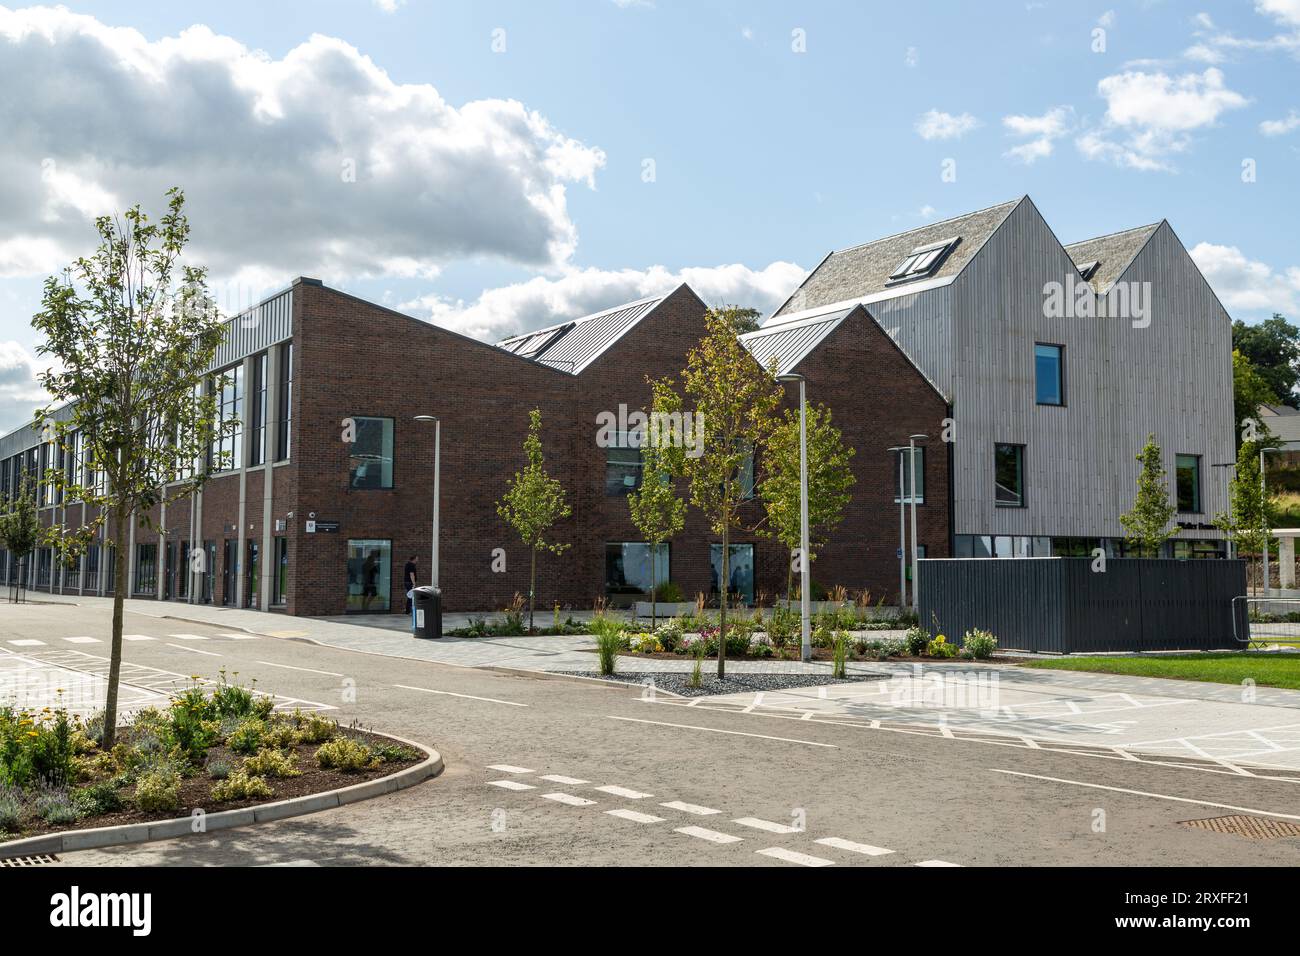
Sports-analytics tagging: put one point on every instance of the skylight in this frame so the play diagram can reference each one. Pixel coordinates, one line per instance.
(923, 260)
(1089, 269)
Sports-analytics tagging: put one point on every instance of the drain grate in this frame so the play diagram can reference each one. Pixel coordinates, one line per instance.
(37, 859)
(1255, 828)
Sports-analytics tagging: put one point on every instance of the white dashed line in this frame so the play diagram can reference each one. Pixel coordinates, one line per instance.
(138, 637)
(694, 808)
(718, 730)
(447, 693)
(635, 816)
(937, 863)
(624, 792)
(309, 670)
(192, 650)
(790, 856)
(28, 643)
(567, 781)
(82, 640)
(864, 848)
(767, 825)
(188, 637)
(511, 785)
(713, 836)
(240, 637)
(508, 768)
(568, 799)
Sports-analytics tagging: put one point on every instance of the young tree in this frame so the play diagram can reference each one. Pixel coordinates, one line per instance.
(657, 510)
(532, 504)
(1249, 517)
(1148, 523)
(130, 351)
(20, 530)
(829, 481)
(737, 400)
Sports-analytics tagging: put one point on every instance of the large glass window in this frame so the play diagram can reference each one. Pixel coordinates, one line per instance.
(1074, 547)
(146, 569)
(1188, 469)
(229, 570)
(257, 412)
(369, 574)
(1009, 475)
(372, 453)
(903, 481)
(1049, 374)
(622, 469)
(208, 569)
(628, 571)
(740, 572)
(252, 577)
(1184, 549)
(227, 452)
(285, 401)
(91, 579)
(280, 579)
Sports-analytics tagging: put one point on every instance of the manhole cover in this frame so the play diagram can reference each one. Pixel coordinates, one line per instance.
(1256, 828)
(35, 860)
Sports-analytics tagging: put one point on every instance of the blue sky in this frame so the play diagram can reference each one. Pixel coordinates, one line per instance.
(516, 163)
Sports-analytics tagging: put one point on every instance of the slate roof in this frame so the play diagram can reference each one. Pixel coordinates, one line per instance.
(1113, 253)
(864, 270)
(572, 346)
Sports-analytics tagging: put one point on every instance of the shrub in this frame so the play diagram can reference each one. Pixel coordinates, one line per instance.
(190, 730)
(158, 789)
(979, 643)
(697, 651)
(281, 734)
(644, 644)
(315, 729)
(917, 639)
(270, 763)
(669, 634)
(95, 799)
(247, 738)
(241, 785)
(840, 654)
(37, 747)
(823, 636)
(395, 753)
(669, 593)
(608, 644)
(231, 700)
(11, 806)
(219, 769)
(346, 754)
(760, 650)
(53, 805)
(939, 647)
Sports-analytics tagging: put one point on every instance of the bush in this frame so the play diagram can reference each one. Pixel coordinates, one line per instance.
(314, 728)
(669, 634)
(248, 737)
(979, 643)
(939, 647)
(917, 639)
(840, 654)
(241, 785)
(53, 805)
(644, 644)
(11, 806)
(158, 789)
(231, 700)
(37, 747)
(96, 799)
(270, 763)
(760, 650)
(608, 644)
(396, 753)
(823, 636)
(739, 634)
(669, 593)
(346, 754)
(219, 769)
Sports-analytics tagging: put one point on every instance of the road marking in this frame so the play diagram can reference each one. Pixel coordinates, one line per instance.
(507, 768)
(864, 848)
(28, 643)
(82, 640)
(561, 778)
(624, 792)
(194, 650)
(713, 836)
(694, 808)
(511, 785)
(309, 670)
(568, 799)
(717, 730)
(447, 693)
(1157, 796)
(240, 637)
(767, 825)
(634, 816)
(138, 637)
(790, 856)
(937, 863)
(188, 637)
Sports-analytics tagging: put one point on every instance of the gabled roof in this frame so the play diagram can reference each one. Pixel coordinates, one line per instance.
(572, 346)
(789, 342)
(1113, 253)
(864, 270)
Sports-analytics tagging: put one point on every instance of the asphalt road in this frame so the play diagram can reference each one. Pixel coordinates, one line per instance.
(785, 792)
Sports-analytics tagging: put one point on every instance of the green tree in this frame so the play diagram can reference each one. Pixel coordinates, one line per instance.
(742, 320)
(532, 504)
(1273, 347)
(736, 399)
(829, 480)
(1148, 523)
(20, 526)
(1249, 391)
(131, 348)
(1249, 518)
(657, 510)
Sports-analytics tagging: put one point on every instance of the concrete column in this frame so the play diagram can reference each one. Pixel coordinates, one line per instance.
(1286, 560)
(246, 437)
(160, 561)
(267, 568)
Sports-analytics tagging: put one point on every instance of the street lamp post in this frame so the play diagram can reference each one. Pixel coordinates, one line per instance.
(805, 586)
(902, 531)
(911, 494)
(437, 476)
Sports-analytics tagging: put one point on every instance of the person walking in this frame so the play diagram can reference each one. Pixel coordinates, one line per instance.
(408, 576)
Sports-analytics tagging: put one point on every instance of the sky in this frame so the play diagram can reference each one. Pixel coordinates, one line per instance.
(498, 166)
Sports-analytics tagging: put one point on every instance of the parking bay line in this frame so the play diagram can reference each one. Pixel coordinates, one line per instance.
(718, 730)
(1144, 793)
(568, 799)
(768, 825)
(790, 856)
(864, 848)
(635, 816)
(713, 836)
(309, 670)
(447, 693)
(193, 650)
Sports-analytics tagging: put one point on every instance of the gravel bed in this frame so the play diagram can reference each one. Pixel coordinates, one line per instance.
(677, 682)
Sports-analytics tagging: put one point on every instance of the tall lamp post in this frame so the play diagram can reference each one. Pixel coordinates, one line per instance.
(437, 475)
(902, 529)
(1263, 493)
(805, 587)
(911, 494)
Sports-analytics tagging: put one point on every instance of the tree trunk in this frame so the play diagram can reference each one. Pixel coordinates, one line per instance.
(115, 653)
(532, 587)
(724, 580)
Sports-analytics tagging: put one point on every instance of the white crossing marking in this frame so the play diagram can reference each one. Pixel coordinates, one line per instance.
(767, 825)
(635, 816)
(713, 836)
(138, 637)
(568, 799)
(790, 856)
(694, 808)
(852, 847)
(309, 670)
(241, 637)
(28, 643)
(447, 693)
(195, 650)
(511, 785)
(82, 640)
(937, 863)
(188, 637)
(718, 730)
(508, 768)
(624, 792)
(561, 778)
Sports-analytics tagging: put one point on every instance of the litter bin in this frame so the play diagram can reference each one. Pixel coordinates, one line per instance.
(428, 611)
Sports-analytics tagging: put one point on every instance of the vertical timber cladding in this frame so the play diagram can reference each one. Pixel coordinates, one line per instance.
(1063, 606)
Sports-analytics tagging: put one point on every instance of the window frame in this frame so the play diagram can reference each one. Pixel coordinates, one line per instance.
(1199, 498)
(1020, 459)
(1060, 374)
(392, 457)
(900, 480)
(621, 445)
(664, 546)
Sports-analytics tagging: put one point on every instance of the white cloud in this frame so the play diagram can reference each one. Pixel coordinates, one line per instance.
(1107, 19)
(263, 148)
(911, 57)
(938, 125)
(1150, 116)
(747, 33)
(542, 301)
(389, 6)
(1041, 131)
(1247, 285)
(1204, 54)
(1287, 11)
(20, 392)
(1282, 126)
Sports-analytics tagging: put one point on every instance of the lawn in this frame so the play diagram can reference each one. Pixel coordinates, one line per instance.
(1266, 670)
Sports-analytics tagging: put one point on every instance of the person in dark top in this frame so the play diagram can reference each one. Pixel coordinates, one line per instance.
(369, 580)
(408, 578)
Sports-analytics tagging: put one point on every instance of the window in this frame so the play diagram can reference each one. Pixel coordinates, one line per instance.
(252, 577)
(91, 580)
(1049, 374)
(1009, 475)
(923, 260)
(369, 574)
(622, 468)
(1074, 547)
(229, 570)
(227, 451)
(257, 413)
(285, 401)
(903, 478)
(1088, 269)
(42, 486)
(1188, 468)
(146, 569)
(1185, 550)
(208, 567)
(180, 569)
(280, 574)
(627, 568)
(372, 453)
(740, 572)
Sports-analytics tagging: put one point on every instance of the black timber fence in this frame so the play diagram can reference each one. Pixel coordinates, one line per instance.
(1063, 606)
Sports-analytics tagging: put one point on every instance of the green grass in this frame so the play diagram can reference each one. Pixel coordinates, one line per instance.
(1266, 670)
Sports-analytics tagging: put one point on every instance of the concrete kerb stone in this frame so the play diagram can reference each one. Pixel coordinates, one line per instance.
(72, 840)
